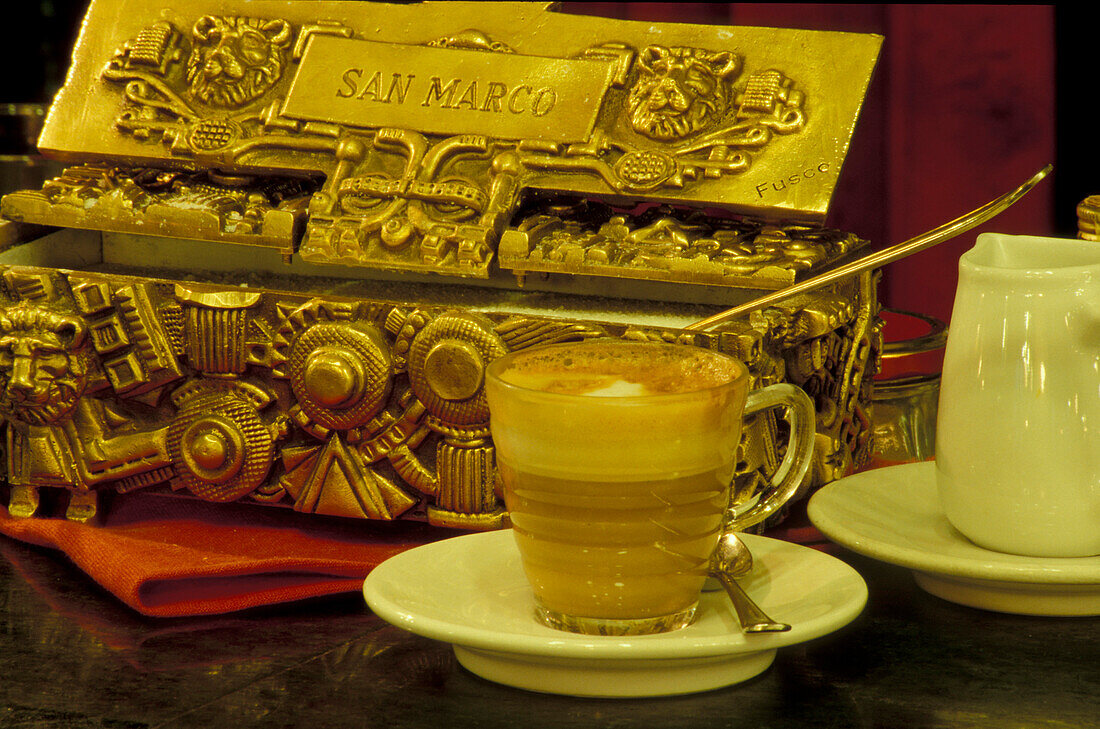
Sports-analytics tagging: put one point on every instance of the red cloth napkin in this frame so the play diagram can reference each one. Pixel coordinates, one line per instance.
(172, 557)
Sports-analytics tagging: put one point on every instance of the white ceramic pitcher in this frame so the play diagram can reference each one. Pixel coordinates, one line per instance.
(1018, 427)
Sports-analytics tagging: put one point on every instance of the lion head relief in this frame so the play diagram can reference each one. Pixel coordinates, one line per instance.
(680, 91)
(42, 369)
(235, 60)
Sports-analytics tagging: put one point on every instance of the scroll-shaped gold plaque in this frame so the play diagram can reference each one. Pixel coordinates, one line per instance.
(406, 137)
(448, 91)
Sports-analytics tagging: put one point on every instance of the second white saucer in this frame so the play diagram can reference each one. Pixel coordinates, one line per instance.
(894, 515)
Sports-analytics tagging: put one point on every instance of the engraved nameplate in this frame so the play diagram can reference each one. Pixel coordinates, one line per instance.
(448, 91)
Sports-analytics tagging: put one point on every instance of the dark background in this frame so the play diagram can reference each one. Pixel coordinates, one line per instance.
(967, 102)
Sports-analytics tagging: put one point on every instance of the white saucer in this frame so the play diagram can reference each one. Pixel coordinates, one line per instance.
(894, 515)
(471, 591)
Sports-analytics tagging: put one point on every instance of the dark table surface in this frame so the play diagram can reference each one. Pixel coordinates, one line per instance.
(72, 656)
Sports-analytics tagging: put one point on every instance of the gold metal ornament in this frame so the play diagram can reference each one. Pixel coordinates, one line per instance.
(293, 236)
(1088, 218)
(221, 446)
(447, 361)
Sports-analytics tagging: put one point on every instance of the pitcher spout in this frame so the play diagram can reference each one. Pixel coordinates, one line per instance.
(1020, 253)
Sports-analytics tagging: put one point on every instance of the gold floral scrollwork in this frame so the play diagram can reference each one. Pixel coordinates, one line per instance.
(264, 212)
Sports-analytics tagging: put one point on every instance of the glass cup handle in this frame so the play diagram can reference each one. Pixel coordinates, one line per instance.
(801, 418)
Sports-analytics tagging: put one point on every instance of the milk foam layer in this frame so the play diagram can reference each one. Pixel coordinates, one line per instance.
(618, 370)
(573, 411)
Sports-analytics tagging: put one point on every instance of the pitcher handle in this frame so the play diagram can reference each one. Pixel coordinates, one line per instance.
(796, 461)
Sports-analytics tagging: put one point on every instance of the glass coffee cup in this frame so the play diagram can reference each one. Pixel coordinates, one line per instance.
(617, 459)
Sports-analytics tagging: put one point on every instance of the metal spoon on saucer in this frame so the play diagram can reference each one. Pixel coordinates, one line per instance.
(732, 559)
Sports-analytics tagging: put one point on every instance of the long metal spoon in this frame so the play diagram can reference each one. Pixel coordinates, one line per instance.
(733, 559)
(947, 231)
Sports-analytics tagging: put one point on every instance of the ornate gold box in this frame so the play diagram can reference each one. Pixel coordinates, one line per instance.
(293, 235)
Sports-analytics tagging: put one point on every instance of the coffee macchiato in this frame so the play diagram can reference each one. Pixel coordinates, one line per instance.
(617, 459)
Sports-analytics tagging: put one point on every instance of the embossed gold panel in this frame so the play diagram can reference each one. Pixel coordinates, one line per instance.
(353, 406)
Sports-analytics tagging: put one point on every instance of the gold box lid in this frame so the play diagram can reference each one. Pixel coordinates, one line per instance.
(410, 137)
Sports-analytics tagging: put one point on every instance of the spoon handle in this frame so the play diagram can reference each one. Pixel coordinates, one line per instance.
(947, 231)
(753, 619)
